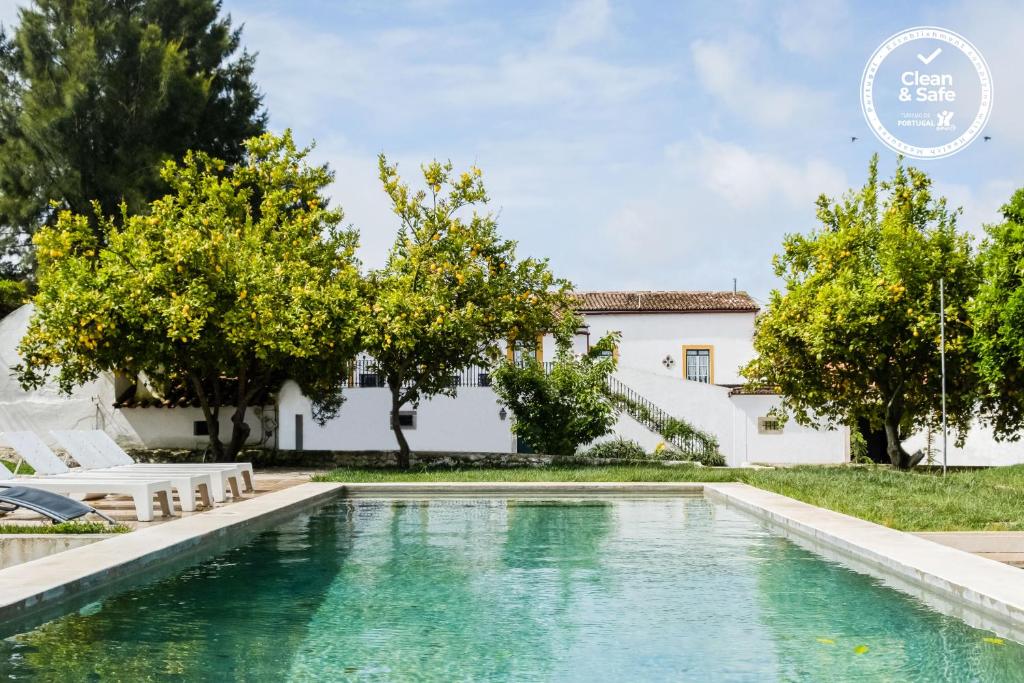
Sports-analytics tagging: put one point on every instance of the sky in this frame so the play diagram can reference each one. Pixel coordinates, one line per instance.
(637, 145)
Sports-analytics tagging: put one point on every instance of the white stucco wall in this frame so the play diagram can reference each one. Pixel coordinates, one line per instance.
(733, 421)
(796, 445)
(705, 406)
(980, 448)
(647, 338)
(469, 422)
(628, 428)
(173, 427)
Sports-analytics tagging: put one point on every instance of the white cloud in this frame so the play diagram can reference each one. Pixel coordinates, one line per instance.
(980, 203)
(811, 27)
(749, 179)
(408, 72)
(729, 70)
(996, 27)
(586, 21)
(714, 210)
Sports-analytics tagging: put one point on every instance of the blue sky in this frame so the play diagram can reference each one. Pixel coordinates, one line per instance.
(636, 144)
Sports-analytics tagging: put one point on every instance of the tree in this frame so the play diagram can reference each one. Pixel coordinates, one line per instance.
(998, 315)
(451, 290)
(238, 279)
(96, 95)
(855, 334)
(559, 410)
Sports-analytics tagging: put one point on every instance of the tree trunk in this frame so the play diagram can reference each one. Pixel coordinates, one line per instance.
(396, 425)
(899, 458)
(240, 431)
(212, 416)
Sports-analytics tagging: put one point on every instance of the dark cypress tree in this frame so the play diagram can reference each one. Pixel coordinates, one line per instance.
(96, 94)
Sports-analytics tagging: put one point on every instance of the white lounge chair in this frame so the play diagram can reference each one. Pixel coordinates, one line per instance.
(91, 452)
(141, 491)
(188, 484)
(240, 472)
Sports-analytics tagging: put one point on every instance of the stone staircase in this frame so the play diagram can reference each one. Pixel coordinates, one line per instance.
(688, 440)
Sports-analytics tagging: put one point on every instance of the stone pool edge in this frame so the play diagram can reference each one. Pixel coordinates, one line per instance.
(45, 583)
(982, 592)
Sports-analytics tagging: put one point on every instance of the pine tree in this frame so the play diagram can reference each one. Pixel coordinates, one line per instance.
(96, 94)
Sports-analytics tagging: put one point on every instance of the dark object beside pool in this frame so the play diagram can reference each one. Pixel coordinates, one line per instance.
(53, 505)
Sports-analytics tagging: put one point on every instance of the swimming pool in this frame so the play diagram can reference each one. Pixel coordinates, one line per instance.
(672, 588)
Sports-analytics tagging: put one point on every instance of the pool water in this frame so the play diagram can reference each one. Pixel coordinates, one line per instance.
(513, 590)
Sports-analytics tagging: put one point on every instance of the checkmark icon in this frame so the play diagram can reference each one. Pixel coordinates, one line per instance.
(928, 60)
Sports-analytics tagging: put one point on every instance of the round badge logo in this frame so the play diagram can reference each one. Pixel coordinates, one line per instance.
(926, 92)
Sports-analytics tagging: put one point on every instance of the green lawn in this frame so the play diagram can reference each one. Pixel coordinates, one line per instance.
(989, 500)
(65, 528)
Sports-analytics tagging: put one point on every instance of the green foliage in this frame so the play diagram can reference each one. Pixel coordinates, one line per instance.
(65, 528)
(559, 409)
(855, 334)
(451, 289)
(621, 449)
(239, 279)
(998, 315)
(858, 447)
(96, 95)
(13, 293)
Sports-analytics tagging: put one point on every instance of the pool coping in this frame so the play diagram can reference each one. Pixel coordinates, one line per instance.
(45, 585)
(982, 592)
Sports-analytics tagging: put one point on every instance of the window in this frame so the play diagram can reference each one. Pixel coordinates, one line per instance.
(698, 364)
(407, 419)
(200, 428)
(521, 349)
(769, 425)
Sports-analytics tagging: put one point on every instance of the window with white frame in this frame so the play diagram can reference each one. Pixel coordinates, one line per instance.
(698, 365)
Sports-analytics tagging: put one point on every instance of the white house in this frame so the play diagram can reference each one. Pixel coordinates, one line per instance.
(680, 350)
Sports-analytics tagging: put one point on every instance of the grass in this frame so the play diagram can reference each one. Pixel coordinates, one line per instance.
(23, 468)
(976, 500)
(65, 528)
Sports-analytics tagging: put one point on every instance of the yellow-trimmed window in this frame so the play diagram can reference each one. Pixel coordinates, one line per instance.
(699, 364)
(519, 349)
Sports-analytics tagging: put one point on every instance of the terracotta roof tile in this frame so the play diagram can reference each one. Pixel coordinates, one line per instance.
(664, 302)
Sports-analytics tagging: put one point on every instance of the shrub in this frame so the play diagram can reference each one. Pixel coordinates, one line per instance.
(558, 409)
(623, 449)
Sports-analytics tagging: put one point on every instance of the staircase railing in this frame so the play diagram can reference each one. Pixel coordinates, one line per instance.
(659, 421)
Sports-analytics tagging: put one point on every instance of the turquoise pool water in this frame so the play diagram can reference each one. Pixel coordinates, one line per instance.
(665, 589)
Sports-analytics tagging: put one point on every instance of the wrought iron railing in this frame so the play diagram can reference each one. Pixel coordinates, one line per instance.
(363, 373)
(660, 421)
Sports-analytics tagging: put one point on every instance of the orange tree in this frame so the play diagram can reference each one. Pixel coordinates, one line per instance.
(998, 314)
(239, 278)
(451, 291)
(855, 333)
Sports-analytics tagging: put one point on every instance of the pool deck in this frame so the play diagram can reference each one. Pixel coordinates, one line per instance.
(981, 591)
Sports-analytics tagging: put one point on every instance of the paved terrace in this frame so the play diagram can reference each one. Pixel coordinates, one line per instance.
(122, 509)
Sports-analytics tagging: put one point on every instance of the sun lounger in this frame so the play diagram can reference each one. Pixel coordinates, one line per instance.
(141, 491)
(53, 505)
(188, 484)
(116, 456)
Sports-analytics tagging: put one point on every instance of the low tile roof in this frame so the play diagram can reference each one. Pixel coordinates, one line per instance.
(665, 302)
